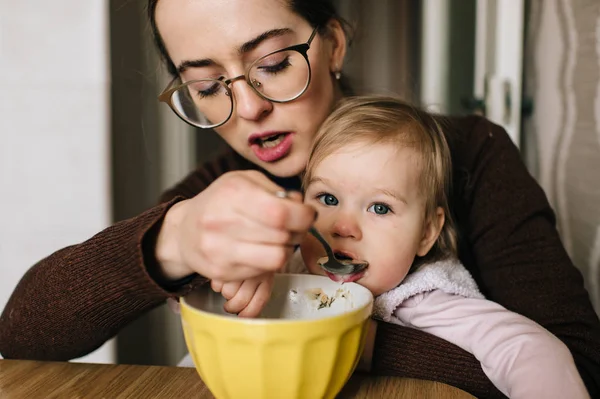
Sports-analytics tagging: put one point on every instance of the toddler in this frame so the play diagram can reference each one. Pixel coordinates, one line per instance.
(379, 176)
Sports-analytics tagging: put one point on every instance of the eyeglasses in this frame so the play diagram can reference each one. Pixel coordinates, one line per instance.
(279, 77)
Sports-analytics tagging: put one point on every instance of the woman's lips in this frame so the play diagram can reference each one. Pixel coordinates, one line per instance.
(271, 151)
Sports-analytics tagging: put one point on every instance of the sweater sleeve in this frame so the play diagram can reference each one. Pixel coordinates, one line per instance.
(71, 302)
(522, 359)
(510, 245)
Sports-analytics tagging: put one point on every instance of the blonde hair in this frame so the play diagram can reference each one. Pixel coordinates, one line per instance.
(378, 119)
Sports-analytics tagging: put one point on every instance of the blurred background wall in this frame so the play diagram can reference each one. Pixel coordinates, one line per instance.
(79, 114)
(55, 161)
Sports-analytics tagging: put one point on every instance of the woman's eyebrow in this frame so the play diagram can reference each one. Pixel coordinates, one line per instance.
(254, 43)
(194, 64)
(243, 49)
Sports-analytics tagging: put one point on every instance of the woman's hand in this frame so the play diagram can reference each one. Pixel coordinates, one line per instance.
(245, 298)
(234, 230)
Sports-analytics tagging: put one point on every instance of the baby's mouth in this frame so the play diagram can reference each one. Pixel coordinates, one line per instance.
(346, 278)
(343, 257)
(339, 255)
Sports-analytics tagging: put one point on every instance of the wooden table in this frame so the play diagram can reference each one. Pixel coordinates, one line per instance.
(20, 379)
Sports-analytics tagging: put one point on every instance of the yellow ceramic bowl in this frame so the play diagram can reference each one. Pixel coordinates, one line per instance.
(304, 345)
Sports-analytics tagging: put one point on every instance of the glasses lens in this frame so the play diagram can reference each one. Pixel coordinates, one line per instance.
(204, 103)
(281, 76)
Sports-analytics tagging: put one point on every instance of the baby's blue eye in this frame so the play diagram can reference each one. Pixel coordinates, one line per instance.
(328, 199)
(379, 209)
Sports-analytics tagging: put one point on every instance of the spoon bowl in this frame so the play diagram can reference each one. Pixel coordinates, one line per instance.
(337, 266)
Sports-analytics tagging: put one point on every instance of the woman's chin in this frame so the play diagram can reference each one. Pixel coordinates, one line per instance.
(289, 166)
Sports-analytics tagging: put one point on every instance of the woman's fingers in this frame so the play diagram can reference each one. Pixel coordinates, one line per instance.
(236, 229)
(231, 289)
(264, 207)
(227, 289)
(251, 297)
(233, 273)
(259, 300)
(228, 259)
(256, 232)
(216, 285)
(269, 258)
(244, 295)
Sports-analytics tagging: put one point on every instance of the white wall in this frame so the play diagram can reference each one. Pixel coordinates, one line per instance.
(54, 132)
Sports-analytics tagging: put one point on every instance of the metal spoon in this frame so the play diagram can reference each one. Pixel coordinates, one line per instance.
(333, 265)
(330, 263)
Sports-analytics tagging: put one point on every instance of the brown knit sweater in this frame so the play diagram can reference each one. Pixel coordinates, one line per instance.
(70, 303)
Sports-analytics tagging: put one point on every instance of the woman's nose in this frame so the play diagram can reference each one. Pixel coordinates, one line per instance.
(248, 104)
(346, 226)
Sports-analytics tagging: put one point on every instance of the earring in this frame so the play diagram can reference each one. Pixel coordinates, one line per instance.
(337, 74)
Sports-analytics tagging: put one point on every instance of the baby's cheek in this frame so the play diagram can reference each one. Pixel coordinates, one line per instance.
(390, 272)
(378, 284)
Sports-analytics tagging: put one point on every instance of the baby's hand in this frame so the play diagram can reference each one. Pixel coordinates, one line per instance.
(245, 298)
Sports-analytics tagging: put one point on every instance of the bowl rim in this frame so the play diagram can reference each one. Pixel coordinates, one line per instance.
(259, 321)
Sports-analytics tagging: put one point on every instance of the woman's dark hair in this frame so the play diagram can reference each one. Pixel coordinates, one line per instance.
(315, 12)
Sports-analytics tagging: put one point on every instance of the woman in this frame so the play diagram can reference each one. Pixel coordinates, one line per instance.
(229, 227)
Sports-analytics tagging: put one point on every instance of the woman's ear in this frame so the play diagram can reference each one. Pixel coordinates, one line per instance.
(431, 231)
(337, 38)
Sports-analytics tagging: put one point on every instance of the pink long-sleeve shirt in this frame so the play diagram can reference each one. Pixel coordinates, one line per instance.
(521, 358)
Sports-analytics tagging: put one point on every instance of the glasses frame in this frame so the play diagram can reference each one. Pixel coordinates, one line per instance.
(167, 94)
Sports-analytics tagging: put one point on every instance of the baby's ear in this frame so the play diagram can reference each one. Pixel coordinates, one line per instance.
(431, 231)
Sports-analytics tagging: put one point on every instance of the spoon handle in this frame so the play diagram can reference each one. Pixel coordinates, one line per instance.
(312, 230)
(319, 237)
